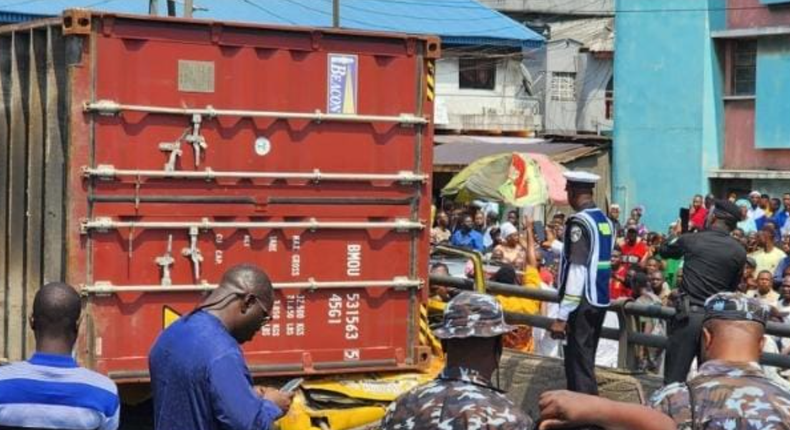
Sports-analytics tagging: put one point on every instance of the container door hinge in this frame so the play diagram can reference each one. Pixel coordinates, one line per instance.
(198, 142)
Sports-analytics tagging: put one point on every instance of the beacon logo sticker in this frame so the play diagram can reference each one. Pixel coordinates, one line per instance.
(342, 73)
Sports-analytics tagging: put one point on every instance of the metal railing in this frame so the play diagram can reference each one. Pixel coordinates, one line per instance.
(628, 337)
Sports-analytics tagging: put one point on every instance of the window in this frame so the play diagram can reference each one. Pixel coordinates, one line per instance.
(744, 68)
(563, 86)
(609, 96)
(477, 73)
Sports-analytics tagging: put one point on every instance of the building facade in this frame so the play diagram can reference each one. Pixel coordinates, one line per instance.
(482, 88)
(572, 75)
(703, 89)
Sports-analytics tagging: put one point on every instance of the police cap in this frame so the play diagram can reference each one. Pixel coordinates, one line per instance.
(581, 179)
(727, 209)
(736, 307)
(472, 315)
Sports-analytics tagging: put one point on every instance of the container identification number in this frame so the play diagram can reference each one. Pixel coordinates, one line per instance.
(345, 312)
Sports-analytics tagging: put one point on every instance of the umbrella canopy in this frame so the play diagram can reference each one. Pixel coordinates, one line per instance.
(517, 179)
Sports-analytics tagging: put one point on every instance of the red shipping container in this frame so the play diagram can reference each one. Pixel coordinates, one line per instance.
(195, 145)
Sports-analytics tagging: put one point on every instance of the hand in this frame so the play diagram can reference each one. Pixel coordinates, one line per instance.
(527, 223)
(561, 409)
(442, 291)
(279, 398)
(557, 329)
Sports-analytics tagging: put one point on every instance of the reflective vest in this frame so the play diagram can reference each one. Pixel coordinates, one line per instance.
(599, 263)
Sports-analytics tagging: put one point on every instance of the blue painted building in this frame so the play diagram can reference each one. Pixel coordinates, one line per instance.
(703, 91)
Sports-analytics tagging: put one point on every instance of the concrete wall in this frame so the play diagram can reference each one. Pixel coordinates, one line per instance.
(560, 115)
(667, 133)
(594, 75)
(505, 108)
(588, 112)
(575, 7)
(753, 13)
(757, 131)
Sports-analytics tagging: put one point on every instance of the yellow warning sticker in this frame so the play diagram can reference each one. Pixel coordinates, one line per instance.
(169, 316)
(605, 229)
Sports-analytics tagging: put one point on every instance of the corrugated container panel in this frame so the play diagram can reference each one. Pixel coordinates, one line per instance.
(32, 182)
(143, 157)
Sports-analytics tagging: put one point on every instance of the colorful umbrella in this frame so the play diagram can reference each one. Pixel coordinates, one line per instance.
(516, 179)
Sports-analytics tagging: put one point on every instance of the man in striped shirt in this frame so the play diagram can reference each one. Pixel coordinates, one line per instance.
(50, 391)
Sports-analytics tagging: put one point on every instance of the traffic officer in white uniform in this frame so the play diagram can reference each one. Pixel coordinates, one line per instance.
(584, 275)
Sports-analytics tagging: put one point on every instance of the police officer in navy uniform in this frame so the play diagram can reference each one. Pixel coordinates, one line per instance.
(584, 275)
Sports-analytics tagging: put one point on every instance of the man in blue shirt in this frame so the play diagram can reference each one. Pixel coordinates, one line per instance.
(781, 215)
(467, 237)
(51, 391)
(199, 377)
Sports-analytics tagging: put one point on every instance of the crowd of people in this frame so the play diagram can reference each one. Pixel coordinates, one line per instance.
(723, 300)
(639, 270)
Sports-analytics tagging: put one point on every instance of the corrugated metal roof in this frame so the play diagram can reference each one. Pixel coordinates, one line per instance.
(455, 21)
(15, 17)
(459, 151)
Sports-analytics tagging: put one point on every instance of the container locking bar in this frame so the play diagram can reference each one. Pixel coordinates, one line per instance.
(110, 107)
(109, 172)
(397, 283)
(104, 224)
(165, 261)
(193, 252)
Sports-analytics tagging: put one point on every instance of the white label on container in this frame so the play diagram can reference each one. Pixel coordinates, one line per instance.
(272, 243)
(352, 316)
(98, 347)
(345, 311)
(262, 146)
(351, 354)
(296, 243)
(296, 265)
(353, 259)
(296, 261)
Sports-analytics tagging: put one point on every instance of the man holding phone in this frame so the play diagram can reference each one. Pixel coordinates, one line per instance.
(198, 374)
(713, 263)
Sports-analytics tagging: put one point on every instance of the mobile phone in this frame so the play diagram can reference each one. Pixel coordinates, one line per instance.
(540, 232)
(685, 214)
(292, 385)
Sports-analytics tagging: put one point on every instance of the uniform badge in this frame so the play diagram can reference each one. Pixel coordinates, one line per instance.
(576, 233)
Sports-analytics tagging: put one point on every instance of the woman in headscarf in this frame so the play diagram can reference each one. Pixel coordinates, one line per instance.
(511, 251)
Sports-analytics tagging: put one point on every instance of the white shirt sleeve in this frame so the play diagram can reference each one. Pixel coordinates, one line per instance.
(557, 247)
(574, 290)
